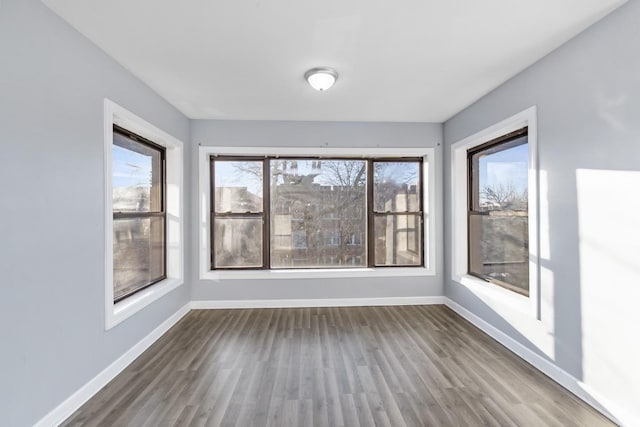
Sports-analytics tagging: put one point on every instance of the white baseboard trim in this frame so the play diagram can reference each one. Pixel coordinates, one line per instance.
(320, 302)
(77, 399)
(557, 374)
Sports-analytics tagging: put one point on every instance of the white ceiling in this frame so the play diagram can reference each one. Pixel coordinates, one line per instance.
(403, 60)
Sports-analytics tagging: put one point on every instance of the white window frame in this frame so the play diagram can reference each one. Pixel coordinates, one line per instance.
(429, 209)
(174, 240)
(459, 201)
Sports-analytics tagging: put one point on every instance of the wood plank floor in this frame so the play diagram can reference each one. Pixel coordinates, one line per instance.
(364, 366)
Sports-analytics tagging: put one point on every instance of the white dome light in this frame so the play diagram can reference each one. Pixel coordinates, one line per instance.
(321, 78)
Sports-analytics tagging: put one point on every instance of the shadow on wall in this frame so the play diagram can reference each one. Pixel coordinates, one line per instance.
(560, 275)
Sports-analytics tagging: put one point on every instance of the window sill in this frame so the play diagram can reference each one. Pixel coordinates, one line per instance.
(316, 273)
(496, 293)
(136, 302)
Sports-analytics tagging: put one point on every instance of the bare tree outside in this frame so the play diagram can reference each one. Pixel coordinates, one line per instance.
(390, 179)
(504, 197)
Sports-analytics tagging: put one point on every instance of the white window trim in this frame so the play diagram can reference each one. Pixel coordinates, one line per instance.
(429, 229)
(459, 191)
(174, 240)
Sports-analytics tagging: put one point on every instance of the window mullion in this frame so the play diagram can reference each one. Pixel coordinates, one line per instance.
(266, 214)
(371, 261)
(212, 211)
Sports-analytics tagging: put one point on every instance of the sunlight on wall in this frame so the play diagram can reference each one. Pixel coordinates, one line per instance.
(174, 246)
(173, 199)
(609, 232)
(547, 282)
(174, 231)
(538, 333)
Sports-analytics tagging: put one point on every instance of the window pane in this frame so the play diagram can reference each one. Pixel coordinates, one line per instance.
(396, 186)
(137, 176)
(500, 177)
(499, 249)
(138, 253)
(238, 186)
(316, 208)
(238, 242)
(397, 240)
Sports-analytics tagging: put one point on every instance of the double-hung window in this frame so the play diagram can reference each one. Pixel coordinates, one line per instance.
(396, 213)
(143, 199)
(307, 212)
(238, 213)
(139, 217)
(498, 211)
(494, 214)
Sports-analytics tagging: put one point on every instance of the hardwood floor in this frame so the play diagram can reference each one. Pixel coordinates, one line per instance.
(360, 366)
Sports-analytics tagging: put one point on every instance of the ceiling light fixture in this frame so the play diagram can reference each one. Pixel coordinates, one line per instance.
(321, 78)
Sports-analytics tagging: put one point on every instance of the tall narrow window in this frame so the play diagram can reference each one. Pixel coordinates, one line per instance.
(397, 213)
(238, 213)
(498, 212)
(139, 216)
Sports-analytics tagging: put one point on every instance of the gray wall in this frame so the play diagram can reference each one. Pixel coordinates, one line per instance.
(315, 134)
(52, 85)
(588, 98)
